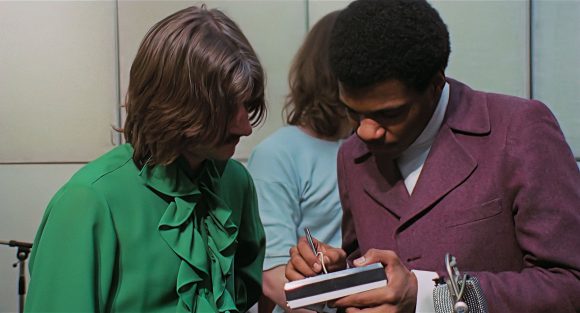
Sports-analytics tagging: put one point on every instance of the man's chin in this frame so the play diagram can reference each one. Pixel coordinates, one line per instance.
(227, 152)
(388, 151)
(223, 156)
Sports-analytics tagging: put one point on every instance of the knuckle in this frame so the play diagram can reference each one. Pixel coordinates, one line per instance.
(372, 255)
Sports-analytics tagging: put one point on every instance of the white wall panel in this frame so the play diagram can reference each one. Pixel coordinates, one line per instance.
(57, 80)
(24, 193)
(319, 8)
(556, 63)
(489, 44)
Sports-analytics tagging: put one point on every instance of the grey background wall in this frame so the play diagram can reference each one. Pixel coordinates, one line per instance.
(64, 67)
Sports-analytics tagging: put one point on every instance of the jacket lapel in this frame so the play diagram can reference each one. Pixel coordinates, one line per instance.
(447, 166)
(449, 163)
(386, 186)
(380, 179)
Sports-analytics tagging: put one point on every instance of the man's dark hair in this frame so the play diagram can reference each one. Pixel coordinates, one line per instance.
(378, 40)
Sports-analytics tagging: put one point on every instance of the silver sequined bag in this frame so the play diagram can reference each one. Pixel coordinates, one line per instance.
(473, 297)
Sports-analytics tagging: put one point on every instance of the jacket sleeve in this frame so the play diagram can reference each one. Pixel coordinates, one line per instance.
(349, 239)
(546, 208)
(73, 256)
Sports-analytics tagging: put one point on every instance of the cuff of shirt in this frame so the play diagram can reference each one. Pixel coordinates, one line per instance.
(425, 287)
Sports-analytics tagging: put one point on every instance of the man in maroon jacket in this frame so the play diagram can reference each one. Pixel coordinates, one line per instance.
(436, 167)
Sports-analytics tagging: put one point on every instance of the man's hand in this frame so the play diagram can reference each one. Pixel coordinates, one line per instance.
(304, 263)
(400, 294)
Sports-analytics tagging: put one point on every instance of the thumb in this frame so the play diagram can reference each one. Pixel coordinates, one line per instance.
(386, 257)
(360, 261)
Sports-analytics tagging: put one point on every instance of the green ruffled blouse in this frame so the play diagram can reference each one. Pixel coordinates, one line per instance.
(119, 239)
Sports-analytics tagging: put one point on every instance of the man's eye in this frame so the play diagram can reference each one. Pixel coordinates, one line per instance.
(386, 114)
(390, 114)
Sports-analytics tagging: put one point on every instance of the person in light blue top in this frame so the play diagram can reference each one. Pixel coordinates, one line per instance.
(295, 177)
(294, 169)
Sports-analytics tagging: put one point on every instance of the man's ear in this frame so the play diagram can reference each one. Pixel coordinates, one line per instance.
(438, 82)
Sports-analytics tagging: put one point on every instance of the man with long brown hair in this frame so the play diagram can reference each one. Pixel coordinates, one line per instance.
(165, 222)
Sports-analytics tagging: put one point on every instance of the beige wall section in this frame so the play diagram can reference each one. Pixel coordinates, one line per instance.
(556, 79)
(489, 41)
(24, 193)
(489, 44)
(318, 8)
(58, 80)
(275, 38)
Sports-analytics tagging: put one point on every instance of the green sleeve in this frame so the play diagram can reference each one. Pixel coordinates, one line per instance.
(250, 253)
(73, 256)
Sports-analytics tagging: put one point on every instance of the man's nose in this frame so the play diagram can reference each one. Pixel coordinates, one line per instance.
(370, 130)
(240, 124)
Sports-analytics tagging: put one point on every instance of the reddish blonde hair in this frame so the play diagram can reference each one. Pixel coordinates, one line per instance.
(313, 100)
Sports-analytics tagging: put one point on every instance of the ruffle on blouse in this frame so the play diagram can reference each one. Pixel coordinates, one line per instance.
(205, 268)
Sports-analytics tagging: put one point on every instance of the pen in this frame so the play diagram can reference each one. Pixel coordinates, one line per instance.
(310, 241)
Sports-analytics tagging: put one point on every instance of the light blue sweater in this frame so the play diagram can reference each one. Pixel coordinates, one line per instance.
(295, 178)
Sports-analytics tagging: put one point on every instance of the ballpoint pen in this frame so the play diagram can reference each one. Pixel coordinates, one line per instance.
(310, 241)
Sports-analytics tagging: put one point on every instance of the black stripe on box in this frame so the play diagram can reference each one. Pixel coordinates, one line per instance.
(336, 281)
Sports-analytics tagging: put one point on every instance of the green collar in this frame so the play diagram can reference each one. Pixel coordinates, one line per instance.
(176, 179)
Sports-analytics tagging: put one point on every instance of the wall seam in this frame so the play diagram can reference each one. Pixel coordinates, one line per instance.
(116, 136)
(530, 49)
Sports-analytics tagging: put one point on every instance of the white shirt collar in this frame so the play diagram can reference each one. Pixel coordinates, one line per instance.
(411, 161)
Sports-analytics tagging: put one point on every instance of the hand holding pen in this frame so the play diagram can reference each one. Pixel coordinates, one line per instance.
(319, 254)
(305, 263)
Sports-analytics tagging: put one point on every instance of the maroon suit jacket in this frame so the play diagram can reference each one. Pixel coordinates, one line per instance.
(500, 190)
